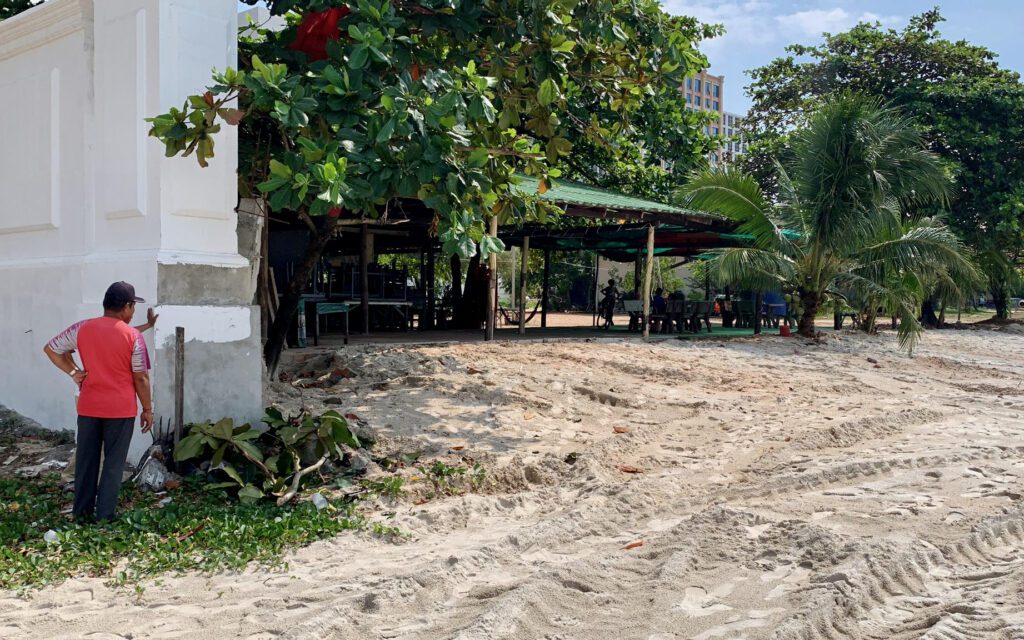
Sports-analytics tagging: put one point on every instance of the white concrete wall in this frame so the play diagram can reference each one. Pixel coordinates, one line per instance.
(86, 198)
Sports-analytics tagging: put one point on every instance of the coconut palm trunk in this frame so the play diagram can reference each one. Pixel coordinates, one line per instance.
(810, 300)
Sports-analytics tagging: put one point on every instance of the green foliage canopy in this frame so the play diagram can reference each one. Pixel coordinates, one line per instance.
(970, 110)
(441, 101)
(842, 224)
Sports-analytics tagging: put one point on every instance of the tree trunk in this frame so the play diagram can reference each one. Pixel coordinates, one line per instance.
(805, 324)
(290, 300)
(1001, 299)
(456, 264)
(928, 317)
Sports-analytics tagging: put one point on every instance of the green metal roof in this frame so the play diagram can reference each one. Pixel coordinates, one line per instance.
(574, 193)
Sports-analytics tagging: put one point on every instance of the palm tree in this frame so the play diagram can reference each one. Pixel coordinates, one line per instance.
(842, 220)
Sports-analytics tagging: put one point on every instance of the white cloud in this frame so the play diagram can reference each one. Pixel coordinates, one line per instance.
(817, 21)
(760, 22)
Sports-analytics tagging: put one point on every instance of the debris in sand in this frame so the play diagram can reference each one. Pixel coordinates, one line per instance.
(621, 429)
(628, 468)
(36, 470)
(633, 545)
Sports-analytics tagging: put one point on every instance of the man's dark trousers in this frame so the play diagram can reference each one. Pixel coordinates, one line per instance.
(111, 436)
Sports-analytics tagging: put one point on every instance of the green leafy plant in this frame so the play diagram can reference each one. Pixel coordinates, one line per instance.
(197, 531)
(255, 464)
(449, 480)
(390, 486)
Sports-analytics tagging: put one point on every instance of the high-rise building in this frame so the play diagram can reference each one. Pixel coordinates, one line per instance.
(706, 92)
(735, 137)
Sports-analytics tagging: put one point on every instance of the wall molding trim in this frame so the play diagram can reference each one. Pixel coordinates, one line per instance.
(43, 24)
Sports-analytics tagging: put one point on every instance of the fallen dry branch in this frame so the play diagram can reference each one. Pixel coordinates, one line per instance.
(287, 497)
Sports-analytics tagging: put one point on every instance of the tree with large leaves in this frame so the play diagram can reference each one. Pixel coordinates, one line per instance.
(10, 8)
(970, 109)
(841, 224)
(355, 105)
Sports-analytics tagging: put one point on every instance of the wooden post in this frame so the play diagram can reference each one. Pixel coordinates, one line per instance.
(637, 272)
(522, 284)
(544, 291)
(179, 383)
(758, 300)
(597, 289)
(264, 274)
(512, 289)
(364, 276)
(648, 270)
(429, 286)
(492, 284)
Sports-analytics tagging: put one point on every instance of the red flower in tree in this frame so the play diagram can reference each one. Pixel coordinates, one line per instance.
(316, 29)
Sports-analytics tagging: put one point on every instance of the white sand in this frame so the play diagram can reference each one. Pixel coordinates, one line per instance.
(788, 491)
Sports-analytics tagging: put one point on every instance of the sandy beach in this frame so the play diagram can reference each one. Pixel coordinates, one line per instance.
(769, 488)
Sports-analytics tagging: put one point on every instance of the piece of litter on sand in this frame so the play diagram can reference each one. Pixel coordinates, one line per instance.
(50, 536)
(633, 545)
(319, 501)
(621, 429)
(10, 460)
(627, 468)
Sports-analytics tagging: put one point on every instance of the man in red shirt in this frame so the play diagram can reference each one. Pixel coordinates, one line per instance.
(114, 372)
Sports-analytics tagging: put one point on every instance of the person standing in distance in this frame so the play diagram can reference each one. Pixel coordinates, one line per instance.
(114, 380)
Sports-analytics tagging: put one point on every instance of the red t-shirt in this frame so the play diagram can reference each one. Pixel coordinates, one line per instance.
(111, 352)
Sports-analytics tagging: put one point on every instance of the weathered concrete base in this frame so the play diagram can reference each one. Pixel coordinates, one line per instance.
(223, 364)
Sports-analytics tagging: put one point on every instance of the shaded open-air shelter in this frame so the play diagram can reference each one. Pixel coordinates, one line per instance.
(616, 227)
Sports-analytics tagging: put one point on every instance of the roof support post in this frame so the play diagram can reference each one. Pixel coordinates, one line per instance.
(429, 284)
(648, 270)
(758, 299)
(364, 276)
(492, 284)
(522, 284)
(544, 291)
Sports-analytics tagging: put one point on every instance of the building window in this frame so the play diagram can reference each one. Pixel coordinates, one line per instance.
(716, 90)
(707, 88)
(696, 100)
(716, 131)
(707, 130)
(696, 84)
(689, 98)
(716, 105)
(689, 84)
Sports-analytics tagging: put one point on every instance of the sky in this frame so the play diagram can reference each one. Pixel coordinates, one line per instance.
(757, 31)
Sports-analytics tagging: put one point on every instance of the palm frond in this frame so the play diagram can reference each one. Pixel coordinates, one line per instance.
(738, 197)
(923, 250)
(753, 269)
(901, 297)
